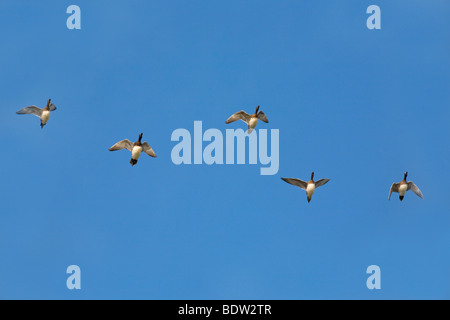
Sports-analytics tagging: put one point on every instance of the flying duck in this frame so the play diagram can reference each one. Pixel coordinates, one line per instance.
(309, 186)
(135, 148)
(43, 114)
(404, 186)
(250, 120)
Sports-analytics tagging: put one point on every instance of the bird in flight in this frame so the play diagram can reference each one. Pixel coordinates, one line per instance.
(309, 186)
(250, 120)
(404, 186)
(43, 114)
(135, 148)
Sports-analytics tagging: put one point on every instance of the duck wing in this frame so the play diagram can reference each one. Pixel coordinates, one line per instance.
(296, 182)
(31, 110)
(241, 115)
(321, 182)
(52, 107)
(414, 188)
(148, 150)
(124, 144)
(262, 117)
(394, 188)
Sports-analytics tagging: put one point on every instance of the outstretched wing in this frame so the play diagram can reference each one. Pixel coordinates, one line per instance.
(262, 117)
(415, 189)
(124, 144)
(31, 110)
(241, 115)
(296, 182)
(394, 188)
(148, 150)
(52, 107)
(321, 182)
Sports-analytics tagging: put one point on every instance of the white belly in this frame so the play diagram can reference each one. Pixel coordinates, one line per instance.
(136, 152)
(252, 123)
(402, 189)
(310, 188)
(45, 116)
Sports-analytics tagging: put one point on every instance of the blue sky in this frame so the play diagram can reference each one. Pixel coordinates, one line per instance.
(357, 106)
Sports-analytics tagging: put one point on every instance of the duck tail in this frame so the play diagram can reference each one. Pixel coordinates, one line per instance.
(133, 162)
